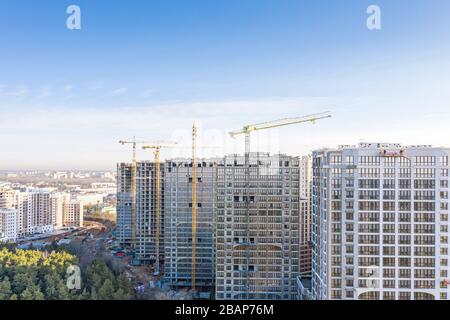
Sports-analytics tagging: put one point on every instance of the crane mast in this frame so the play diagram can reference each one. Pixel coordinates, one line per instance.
(133, 143)
(156, 152)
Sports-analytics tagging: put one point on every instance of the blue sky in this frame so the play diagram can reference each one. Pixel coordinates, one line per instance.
(150, 68)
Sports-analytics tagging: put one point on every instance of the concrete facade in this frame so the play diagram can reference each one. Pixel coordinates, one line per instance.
(145, 223)
(380, 223)
(258, 253)
(178, 223)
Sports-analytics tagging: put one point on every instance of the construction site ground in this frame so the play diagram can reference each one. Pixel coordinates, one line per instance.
(97, 246)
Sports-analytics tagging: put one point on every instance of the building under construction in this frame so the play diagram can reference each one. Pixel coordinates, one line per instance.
(124, 199)
(257, 227)
(178, 223)
(145, 222)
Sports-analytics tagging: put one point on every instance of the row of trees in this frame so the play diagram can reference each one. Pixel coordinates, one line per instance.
(40, 275)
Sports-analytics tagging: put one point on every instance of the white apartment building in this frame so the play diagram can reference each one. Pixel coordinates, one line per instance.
(178, 223)
(6, 197)
(40, 210)
(72, 213)
(21, 204)
(57, 201)
(380, 223)
(257, 233)
(33, 211)
(305, 216)
(8, 225)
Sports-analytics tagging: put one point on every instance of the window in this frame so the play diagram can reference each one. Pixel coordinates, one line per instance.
(404, 296)
(349, 160)
(369, 160)
(425, 161)
(335, 159)
(369, 183)
(388, 183)
(405, 173)
(389, 172)
(388, 295)
(369, 172)
(389, 162)
(425, 173)
(404, 162)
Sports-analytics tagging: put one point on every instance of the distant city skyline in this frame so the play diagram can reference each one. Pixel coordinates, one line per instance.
(67, 97)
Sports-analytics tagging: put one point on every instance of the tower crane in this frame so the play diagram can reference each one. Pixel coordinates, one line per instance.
(156, 147)
(194, 206)
(247, 130)
(133, 143)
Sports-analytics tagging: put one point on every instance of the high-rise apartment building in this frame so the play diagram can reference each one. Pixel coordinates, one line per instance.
(257, 232)
(72, 213)
(6, 197)
(8, 225)
(305, 217)
(380, 223)
(145, 222)
(123, 208)
(57, 201)
(39, 211)
(33, 211)
(178, 223)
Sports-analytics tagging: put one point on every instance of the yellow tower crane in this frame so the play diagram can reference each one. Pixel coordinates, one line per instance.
(194, 205)
(133, 143)
(247, 130)
(156, 147)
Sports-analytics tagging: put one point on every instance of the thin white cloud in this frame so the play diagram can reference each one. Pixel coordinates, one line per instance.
(87, 137)
(148, 93)
(14, 92)
(119, 91)
(45, 92)
(68, 88)
(95, 85)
